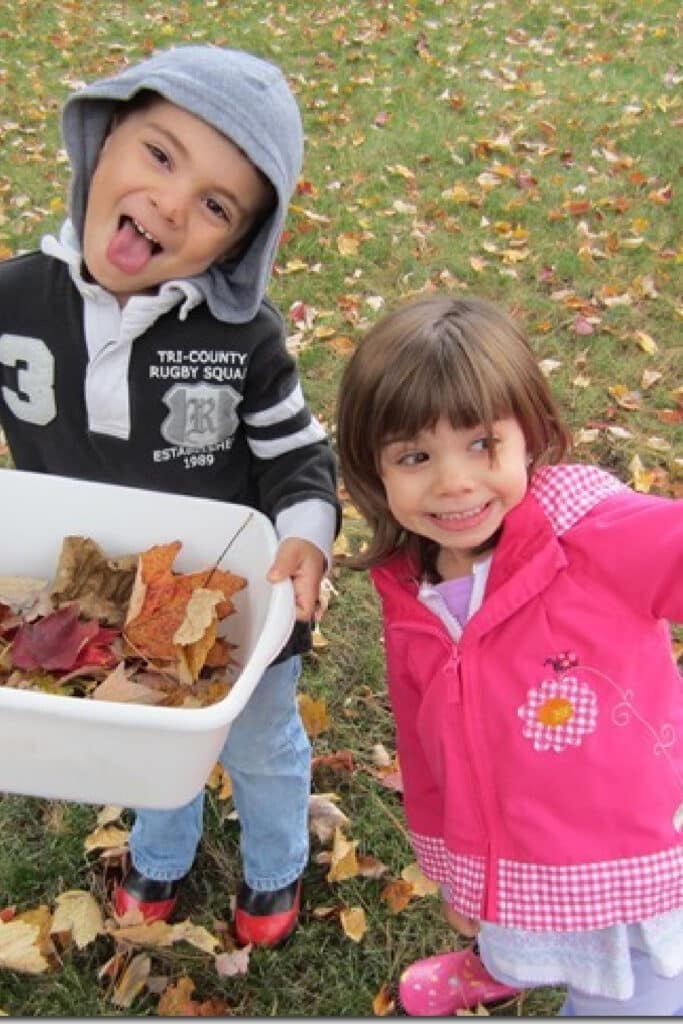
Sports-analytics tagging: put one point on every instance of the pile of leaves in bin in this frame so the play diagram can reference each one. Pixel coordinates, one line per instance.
(125, 629)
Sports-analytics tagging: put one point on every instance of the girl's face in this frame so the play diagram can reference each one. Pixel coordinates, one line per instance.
(170, 196)
(444, 485)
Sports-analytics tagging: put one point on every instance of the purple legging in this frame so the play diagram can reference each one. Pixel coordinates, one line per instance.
(653, 996)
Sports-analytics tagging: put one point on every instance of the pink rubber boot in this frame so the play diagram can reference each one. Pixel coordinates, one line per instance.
(440, 985)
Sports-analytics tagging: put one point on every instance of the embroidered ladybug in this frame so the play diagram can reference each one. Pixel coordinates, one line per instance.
(562, 661)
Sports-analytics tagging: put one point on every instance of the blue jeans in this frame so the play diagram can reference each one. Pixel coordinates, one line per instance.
(268, 757)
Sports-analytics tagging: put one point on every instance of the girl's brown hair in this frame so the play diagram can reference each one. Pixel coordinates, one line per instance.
(459, 358)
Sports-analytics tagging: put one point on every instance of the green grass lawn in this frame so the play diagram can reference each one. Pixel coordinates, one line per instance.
(529, 153)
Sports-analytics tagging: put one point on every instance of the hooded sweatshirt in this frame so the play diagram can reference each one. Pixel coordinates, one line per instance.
(190, 390)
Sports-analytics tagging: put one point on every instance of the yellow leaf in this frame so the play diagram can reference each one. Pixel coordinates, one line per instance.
(646, 342)
(154, 933)
(196, 934)
(422, 886)
(19, 950)
(220, 780)
(132, 982)
(344, 863)
(348, 243)
(106, 837)
(79, 913)
(314, 715)
(642, 479)
(353, 923)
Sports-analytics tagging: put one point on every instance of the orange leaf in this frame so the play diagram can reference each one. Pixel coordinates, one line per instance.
(397, 895)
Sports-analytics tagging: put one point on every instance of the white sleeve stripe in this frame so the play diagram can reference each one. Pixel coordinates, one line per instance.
(284, 410)
(281, 445)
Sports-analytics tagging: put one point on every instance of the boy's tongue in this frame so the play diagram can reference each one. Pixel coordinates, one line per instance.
(128, 250)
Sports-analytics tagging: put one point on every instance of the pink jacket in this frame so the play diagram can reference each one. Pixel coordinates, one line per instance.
(542, 755)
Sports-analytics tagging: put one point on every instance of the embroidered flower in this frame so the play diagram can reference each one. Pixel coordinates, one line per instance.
(559, 713)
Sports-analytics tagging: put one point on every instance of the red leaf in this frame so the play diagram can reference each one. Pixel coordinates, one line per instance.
(97, 651)
(53, 642)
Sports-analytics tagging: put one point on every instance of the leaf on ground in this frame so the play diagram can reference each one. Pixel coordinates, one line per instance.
(177, 1001)
(78, 913)
(118, 687)
(371, 867)
(353, 923)
(132, 981)
(344, 863)
(20, 947)
(314, 715)
(324, 817)
(422, 886)
(196, 934)
(397, 895)
(220, 780)
(383, 1004)
(106, 836)
(160, 934)
(339, 761)
(228, 965)
(101, 585)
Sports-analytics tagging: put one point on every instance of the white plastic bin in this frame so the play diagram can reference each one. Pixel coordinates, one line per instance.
(71, 748)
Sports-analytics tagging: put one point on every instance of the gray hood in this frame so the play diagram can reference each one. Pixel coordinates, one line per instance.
(245, 98)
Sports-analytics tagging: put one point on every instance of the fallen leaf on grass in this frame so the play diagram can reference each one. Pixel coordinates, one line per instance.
(314, 715)
(19, 947)
(383, 1004)
(344, 863)
(106, 836)
(236, 962)
(160, 933)
(177, 1001)
(324, 817)
(132, 981)
(78, 913)
(353, 923)
(422, 886)
(397, 894)
(220, 781)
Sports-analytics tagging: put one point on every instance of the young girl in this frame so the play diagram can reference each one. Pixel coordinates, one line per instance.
(538, 706)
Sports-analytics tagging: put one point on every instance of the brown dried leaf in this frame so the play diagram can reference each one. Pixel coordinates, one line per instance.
(107, 836)
(422, 886)
(132, 981)
(397, 895)
(228, 965)
(101, 585)
(383, 1004)
(323, 817)
(120, 688)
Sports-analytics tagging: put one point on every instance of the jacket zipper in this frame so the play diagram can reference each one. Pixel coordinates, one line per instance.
(455, 695)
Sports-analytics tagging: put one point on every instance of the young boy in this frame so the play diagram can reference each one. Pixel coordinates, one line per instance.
(140, 349)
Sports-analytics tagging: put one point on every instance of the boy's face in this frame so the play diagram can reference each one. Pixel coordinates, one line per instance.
(170, 196)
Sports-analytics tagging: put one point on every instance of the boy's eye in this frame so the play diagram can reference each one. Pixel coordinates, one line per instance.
(157, 153)
(214, 207)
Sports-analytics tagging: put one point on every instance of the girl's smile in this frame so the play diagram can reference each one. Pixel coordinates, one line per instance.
(455, 487)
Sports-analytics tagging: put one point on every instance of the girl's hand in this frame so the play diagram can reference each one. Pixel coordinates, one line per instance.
(466, 926)
(304, 564)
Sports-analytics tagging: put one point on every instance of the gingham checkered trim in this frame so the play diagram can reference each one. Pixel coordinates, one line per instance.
(464, 875)
(566, 898)
(567, 492)
(576, 897)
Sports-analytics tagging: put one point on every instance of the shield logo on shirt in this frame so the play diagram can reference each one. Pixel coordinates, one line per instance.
(200, 414)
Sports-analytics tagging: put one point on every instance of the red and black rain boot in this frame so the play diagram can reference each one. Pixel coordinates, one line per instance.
(267, 918)
(155, 900)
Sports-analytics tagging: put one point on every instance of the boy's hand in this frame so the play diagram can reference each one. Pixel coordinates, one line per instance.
(304, 564)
